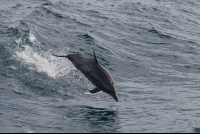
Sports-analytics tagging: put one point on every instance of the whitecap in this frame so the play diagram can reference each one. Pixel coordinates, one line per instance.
(44, 62)
(31, 37)
(18, 41)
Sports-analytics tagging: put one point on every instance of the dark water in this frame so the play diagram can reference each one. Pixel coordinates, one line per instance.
(151, 48)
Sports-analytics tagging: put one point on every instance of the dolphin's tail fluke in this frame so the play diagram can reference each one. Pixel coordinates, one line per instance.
(59, 55)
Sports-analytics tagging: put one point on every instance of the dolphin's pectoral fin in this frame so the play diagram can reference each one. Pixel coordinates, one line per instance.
(95, 90)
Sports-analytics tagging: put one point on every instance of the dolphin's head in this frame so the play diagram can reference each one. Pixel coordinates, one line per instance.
(111, 90)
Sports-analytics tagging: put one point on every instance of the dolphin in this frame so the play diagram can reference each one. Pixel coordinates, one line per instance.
(94, 72)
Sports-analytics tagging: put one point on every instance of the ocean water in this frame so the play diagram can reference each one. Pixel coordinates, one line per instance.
(150, 47)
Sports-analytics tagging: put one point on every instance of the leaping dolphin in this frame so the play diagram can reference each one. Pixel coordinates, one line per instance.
(94, 72)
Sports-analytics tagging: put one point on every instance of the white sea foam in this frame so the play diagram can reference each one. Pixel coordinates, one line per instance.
(18, 41)
(29, 131)
(32, 38)
(52, 66)
(43, 61)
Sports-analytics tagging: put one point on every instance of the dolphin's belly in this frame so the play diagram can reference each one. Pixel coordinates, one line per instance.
(92, 77)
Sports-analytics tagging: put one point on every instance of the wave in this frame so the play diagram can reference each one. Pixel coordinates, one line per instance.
(42, 61)
(42, 73)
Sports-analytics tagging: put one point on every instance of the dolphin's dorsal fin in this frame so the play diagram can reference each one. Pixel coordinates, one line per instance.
(95, 58)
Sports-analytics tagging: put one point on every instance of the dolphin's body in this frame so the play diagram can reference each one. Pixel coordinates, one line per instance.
(94, 72)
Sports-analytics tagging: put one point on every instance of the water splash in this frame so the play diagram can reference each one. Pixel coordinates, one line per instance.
(42, 61)
(32, 38)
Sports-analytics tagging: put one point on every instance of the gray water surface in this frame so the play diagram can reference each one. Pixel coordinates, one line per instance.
(151, 48)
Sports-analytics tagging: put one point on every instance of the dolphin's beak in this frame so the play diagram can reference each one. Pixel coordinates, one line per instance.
(115, 97)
